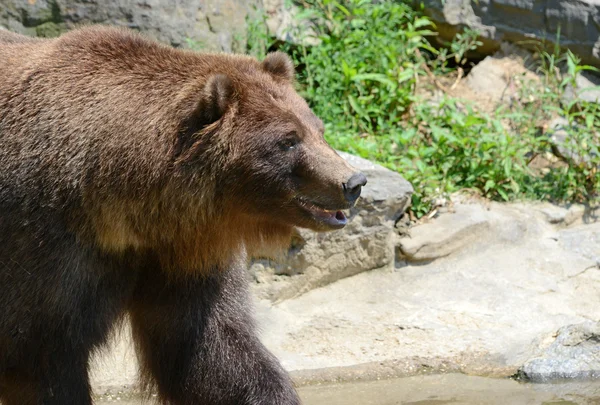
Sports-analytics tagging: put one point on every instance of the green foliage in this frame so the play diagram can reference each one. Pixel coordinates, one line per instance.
(258, 38)
(194, 44)
(361, 80)
(578, 178)
(50, 29)
(456, 51)
(361, 76)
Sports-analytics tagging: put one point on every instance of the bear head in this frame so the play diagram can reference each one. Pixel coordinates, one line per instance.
(264, 149)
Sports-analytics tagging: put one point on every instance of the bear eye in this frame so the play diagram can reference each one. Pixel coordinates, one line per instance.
(289, 143)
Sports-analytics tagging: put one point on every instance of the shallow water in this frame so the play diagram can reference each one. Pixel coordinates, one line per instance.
(455, 389)
(446, 389)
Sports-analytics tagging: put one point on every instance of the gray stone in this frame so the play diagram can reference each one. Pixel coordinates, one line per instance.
(283, 24)
(480, 310)
(499, 78)
(554, 214)
(488, 77)
(366, 243)
(583, 240)
(447, 234)
(522, 21)
(587, 88)
(208, 24)
(559, 215)
(575, 353)
(564, 138)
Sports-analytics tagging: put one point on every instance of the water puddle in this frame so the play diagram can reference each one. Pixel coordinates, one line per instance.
(454, 389)
(446, 389)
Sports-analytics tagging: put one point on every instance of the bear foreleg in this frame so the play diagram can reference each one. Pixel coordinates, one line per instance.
(198, 345)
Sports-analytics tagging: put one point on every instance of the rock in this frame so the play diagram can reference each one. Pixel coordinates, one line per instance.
(210, 24)
(445, 235)
(500, 77)
(554, 214)
(488, 77)
(25, 16)
(583, 240)
(522, 21)
(480, 310)
(283, 24)
(563, 216)
(366, 243)
(574, 353)
(565, 143)
(496, 80)
(558, 132)
(586, 88)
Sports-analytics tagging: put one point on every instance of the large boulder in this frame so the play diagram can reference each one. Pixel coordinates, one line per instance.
(522, 21)
(368, 242)
(574, 352)
(211, 24)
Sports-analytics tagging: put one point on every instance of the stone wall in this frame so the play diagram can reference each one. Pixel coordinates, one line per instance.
(522, 21)
(211, 24)
(217, 25)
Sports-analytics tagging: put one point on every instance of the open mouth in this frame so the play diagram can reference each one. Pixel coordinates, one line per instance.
(334, 219)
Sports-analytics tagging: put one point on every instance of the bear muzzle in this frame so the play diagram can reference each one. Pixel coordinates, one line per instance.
(334, 218)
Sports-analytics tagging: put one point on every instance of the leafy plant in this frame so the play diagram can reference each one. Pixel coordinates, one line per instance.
(362, 74)
(578, 178)
(258, 39)
(456, 51)
(361, 79)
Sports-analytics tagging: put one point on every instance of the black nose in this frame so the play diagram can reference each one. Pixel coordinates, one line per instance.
(353, 186)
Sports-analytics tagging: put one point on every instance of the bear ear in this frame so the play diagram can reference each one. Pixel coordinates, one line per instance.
(206, 107)
(216, 96)
(279, 65)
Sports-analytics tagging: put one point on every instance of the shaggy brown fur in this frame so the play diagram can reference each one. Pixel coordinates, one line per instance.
(128, 172)
(120, 153)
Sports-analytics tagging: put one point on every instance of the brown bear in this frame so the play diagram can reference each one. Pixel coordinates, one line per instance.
(135, 182)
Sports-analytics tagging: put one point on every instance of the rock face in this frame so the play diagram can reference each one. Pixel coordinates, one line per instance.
(522, 20)
(574, 353)
(367, 242)
(210, 24)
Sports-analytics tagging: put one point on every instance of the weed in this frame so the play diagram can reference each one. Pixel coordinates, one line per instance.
(258, 39)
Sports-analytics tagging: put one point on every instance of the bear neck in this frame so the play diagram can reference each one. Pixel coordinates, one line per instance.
(189, 234)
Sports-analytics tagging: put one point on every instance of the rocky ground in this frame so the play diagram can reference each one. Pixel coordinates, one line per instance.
(573, 22)
(484, 289)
